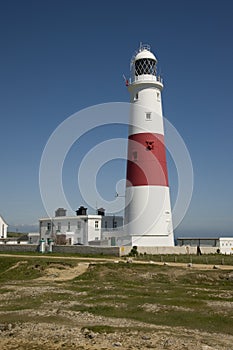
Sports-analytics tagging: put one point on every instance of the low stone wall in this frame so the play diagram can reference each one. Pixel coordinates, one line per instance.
(107, 251)
(65, 249)
(19, 248)
(87, 250)
(125, 250)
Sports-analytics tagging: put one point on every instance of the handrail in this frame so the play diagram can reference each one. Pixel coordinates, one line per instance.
(146, 77)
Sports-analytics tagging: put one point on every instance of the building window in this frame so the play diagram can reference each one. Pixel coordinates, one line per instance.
(136, 96)
(96, 224)
(59, 227)
(96, 238)
(105, 224)
(114, 224)
(158, 96)
(79, 225)
(68, 226)
(148, 115)
(49, 226)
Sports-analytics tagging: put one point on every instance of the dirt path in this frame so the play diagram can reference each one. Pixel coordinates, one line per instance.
(64, 274)
(116, 260)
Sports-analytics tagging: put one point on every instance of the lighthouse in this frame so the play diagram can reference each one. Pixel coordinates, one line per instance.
(148, 217)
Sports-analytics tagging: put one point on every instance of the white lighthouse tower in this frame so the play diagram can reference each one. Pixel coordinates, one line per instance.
(148, 219)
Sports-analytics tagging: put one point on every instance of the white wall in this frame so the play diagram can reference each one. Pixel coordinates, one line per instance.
(78, 229)
(94, 227)
(226, 245)
(169, 250)
(3, 228)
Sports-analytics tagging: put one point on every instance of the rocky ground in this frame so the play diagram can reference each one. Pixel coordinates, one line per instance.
(29, 329)
(53, 336)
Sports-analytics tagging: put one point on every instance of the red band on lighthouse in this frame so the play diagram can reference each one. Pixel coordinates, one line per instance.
(146, 160)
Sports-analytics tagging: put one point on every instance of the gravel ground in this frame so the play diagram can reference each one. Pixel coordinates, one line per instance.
(68, 329)
(53, 336)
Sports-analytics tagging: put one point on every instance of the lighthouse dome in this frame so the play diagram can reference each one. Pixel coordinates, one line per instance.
(145, 54)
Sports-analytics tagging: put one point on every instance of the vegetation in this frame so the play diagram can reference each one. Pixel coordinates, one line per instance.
(209, 259)
(15, 234)
(149, 293)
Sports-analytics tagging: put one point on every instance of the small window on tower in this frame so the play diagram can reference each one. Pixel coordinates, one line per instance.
(136, 96)
(134, 156)
(148, 116)
(158, 96)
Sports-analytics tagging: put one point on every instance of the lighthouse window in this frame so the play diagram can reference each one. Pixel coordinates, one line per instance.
(135, 156)
(158, 96)
(148, 116)
(96, 224)
(145, 66)
(136, 96)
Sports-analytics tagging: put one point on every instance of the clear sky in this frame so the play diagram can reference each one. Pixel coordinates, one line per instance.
(58, 57)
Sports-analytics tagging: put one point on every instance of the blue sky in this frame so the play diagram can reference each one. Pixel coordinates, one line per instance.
(58, 57)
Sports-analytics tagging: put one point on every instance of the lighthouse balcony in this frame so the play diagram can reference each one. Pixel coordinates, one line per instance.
(146, 78)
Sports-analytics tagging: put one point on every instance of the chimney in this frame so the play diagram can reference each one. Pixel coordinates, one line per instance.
(101, 211)
(60, 212)
(81, 211)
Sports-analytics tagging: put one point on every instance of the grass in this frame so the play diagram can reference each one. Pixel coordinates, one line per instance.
(17, 269)
(180, 299)
(152, 294)
(210, 259)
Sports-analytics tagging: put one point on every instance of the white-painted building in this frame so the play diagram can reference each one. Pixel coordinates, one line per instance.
(79, 229)
(82, 229)
(226, 245)
(3, 228)
(33, 237)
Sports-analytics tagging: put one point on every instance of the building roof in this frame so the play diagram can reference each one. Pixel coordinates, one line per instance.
(76, 217)
(3, 220)
(197, 238)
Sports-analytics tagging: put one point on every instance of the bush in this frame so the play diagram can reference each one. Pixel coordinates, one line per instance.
(134, 251)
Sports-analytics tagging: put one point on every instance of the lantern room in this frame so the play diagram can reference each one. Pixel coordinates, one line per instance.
(143, 67)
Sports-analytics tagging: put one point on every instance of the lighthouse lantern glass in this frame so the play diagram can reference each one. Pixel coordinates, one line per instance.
(145, 66)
